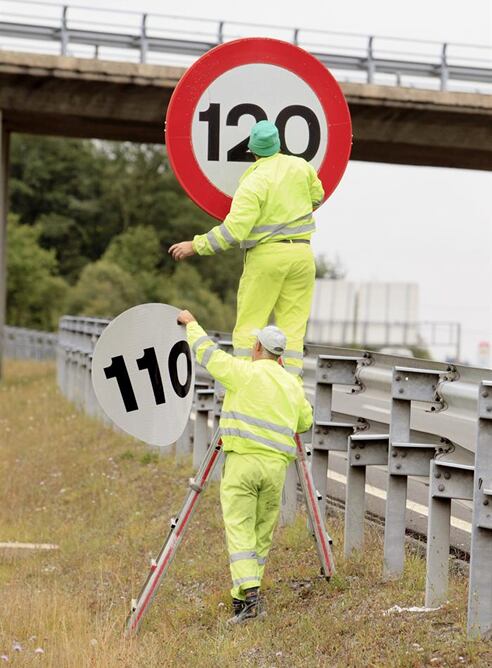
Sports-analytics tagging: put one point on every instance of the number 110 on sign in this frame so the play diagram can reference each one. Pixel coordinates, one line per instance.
(148, 362)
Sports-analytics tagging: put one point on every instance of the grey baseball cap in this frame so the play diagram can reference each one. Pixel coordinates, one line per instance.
(272, 338)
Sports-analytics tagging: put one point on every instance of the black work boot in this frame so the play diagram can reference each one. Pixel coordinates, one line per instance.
(237, 605)
(250, 609)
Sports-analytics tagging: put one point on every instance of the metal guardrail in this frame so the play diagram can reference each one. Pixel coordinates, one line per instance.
(402, 418)
(29, 344)
(125, 35)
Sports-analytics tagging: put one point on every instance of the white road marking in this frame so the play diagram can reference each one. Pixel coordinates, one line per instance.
(28, 546)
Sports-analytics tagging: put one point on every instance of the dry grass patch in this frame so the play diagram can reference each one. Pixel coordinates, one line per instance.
(106, 501)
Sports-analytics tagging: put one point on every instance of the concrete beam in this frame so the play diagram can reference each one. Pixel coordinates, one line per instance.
(126, 101)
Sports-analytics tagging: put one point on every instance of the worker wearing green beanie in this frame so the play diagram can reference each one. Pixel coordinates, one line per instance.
(271, 217)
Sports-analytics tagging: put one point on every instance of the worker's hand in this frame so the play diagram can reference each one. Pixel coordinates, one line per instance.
(185, 317)
(182, 250)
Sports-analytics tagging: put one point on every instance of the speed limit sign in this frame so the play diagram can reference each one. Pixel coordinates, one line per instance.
(143, 374)
(228, 90)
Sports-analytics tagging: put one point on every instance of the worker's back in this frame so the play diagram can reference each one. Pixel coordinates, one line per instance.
(264, 405)
(287, 187)
(264, 410)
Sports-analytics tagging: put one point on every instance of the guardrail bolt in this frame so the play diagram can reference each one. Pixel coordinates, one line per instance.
(401, 390)
(485, 502)
(403, 454)
(397, 377)
(353, 445)
(398, 466)
(437, 474)
(394, 453)
(447, 475)
(489, 409)
(362, 446)
(441, 487)
(317, 430)
(485, 394)
(357, 456)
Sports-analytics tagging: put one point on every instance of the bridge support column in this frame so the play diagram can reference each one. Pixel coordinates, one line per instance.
(4, 175)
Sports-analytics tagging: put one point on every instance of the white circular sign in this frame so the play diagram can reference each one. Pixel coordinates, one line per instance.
(143, 373)
(225, 114)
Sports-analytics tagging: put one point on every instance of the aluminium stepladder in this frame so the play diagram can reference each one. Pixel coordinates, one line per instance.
(179, 525)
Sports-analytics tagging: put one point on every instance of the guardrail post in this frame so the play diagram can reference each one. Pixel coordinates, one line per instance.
(327, 434)
(447, 481)
(444, 67)
(480, 590)
(408, 385)
(364, 450)
(64, 32)
(371, 66)
(204, 404)
(295, 39)
(220, 33)
(288, 508)
(144, 42)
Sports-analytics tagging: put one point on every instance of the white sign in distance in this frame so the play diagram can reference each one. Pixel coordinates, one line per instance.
(143, 373)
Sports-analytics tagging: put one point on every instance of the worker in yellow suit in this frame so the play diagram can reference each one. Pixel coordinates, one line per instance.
(266, 406)
(271, 217)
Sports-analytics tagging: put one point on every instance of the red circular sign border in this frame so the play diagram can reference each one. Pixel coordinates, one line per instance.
(239, 52)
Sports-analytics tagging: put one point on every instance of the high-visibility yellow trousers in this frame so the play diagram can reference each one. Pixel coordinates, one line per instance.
(250, 495)
(278, 278)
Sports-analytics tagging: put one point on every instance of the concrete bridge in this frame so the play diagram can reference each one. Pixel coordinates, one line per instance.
(66, 96)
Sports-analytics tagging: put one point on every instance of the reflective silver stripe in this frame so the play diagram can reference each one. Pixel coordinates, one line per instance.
(199, 342)
(242, 433)
(242, 352)
(293, 354)
(240, 581)
(274, 229)
(238, 556)
(261, 561)
(213, 241)
(227, 235)
(234, 415)
(295, 370)
(208, 354)
(284, 233)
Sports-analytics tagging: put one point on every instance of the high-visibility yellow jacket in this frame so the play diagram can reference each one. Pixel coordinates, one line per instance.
(274, 200)
(265, 404)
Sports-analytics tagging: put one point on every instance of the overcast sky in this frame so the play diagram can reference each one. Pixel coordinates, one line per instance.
(386, 222)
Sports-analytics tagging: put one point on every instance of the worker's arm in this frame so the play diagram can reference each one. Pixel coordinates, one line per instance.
(316, 188)
(305, 416)
(225, 368)
(245, 211)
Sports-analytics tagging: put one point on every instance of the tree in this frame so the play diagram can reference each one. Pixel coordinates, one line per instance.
(36, 295)
(329, 269)
(104, 290)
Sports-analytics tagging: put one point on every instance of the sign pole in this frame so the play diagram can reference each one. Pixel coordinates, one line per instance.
(4, 178)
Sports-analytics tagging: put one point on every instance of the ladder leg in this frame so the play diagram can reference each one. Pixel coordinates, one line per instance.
(179, 526)
(321, 537)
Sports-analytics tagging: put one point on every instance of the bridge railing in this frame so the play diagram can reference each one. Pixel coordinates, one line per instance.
(21, 343)
(154, 38)
(400, 422)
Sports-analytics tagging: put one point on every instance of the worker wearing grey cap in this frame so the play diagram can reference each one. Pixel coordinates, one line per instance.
(263, 408)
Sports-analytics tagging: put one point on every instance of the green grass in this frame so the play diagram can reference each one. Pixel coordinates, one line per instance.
(107, 500)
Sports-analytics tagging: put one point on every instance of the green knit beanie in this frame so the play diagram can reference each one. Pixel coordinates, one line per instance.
(264, 139)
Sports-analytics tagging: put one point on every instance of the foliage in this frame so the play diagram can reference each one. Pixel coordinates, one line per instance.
(36, 293)
(332, 269)
(108, 213)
